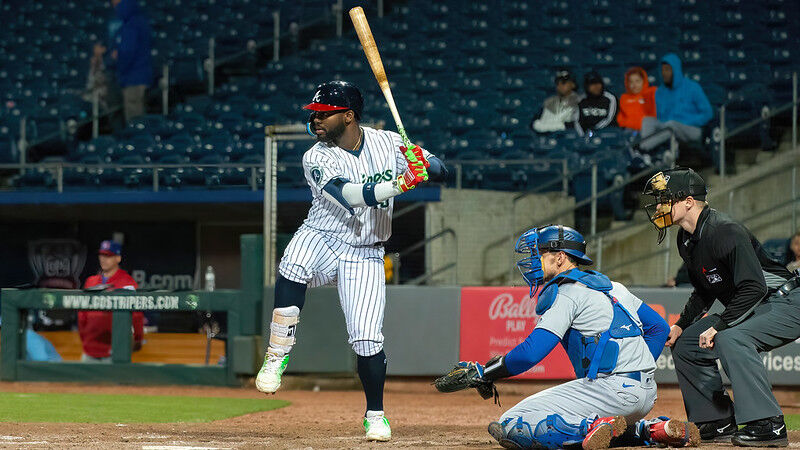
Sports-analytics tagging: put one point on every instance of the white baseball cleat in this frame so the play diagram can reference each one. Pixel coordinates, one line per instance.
(377, 426)
(269, 377)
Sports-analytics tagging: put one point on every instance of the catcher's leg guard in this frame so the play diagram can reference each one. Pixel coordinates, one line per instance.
(555, 432)
(551, 433)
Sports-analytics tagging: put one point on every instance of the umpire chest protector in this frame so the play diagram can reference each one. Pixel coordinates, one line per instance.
(591, 355)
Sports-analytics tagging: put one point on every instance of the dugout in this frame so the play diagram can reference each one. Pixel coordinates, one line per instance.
(242, 309)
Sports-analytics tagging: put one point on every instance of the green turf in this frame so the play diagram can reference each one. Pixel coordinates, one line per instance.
(89, 408)
(792, 421)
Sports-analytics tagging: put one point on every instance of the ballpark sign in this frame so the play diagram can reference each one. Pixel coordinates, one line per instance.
(120, 302)
(499, 318)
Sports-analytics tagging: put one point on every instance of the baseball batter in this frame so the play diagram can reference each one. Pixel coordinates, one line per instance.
(612, 339)
(353, 172)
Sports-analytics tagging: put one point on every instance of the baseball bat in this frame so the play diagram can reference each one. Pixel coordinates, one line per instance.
(374, 58)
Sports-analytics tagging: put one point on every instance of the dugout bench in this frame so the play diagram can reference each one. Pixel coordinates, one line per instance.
(242, 347)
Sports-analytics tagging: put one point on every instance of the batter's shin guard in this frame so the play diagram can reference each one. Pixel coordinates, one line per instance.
(283, 329)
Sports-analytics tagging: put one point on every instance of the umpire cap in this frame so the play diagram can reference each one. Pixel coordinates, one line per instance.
(337, 96)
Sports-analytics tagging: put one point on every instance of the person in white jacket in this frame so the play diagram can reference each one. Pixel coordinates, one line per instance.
(561, 110)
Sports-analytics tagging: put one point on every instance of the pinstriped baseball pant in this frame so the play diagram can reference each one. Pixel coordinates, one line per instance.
(317, 260)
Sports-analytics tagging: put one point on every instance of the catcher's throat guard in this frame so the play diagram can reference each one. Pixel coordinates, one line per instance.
(530, 266)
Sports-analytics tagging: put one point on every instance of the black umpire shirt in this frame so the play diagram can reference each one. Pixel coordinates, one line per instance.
(727, 263)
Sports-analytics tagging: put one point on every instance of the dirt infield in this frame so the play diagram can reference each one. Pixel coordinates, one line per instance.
(420, 417)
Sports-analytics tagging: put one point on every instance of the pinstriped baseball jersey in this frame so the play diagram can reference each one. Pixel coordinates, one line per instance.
(358, 273)
(380, 160)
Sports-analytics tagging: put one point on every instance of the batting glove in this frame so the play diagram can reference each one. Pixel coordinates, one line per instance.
(407, 181)
(417, 153)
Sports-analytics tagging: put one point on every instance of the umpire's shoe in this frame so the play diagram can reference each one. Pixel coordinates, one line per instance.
(717, 431)
(769, 432)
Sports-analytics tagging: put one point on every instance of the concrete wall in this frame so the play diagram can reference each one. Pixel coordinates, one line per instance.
(484, 223)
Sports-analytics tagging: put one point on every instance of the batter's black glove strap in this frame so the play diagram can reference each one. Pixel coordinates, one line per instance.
(467, 374)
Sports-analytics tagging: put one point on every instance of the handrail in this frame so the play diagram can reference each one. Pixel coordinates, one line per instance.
(55, 165)
(423, 243)
(750, 124)
(426, 276)
(407, 209)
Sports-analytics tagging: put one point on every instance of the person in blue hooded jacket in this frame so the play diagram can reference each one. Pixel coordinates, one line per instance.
(132, 53)
(681, 106)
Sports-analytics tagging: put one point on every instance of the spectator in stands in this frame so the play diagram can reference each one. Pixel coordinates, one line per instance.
(95, 326)
(132, 54)
(97, 81)
(681, 106)
(638, 101)
(560, 110)
(597, 108)
(794, 252)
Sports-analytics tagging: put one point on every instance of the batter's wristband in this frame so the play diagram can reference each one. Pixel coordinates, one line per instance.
(368, 191)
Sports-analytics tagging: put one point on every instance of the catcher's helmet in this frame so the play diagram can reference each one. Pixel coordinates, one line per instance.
(564, 239)
(337, 96)
(550, 238)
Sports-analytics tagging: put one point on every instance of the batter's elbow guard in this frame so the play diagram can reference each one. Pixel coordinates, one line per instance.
(496, 369)
(437, 171)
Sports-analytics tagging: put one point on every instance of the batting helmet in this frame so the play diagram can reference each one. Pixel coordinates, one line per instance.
(337, 96)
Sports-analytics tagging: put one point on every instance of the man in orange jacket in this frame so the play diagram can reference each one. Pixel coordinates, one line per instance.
(95, 326)
(639, 100)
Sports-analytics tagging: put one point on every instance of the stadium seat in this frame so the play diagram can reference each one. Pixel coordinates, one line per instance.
(778, 249)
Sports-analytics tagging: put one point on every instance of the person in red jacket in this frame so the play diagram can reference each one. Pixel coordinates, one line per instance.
(95, 326)
(639, 100)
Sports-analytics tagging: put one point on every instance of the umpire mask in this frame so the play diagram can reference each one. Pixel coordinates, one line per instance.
(665, 188)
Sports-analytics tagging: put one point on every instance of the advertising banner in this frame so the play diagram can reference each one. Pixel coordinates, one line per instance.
(495, 319)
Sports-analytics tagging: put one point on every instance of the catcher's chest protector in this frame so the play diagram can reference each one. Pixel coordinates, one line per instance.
(591, 355)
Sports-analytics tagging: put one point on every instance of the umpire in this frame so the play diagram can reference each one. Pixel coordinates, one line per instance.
(762, 312)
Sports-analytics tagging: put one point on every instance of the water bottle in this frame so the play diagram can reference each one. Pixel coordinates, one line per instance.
(210, 279)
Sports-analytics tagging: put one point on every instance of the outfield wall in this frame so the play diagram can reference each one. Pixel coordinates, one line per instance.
(427, 329)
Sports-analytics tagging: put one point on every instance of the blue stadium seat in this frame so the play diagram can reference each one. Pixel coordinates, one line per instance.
(778, 249)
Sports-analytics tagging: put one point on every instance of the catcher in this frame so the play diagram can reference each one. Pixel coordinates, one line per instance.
(612, 339)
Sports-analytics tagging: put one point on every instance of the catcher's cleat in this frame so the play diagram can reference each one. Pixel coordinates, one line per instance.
(602, 430)
(670, 432)
(497, 431)
(269, 377)
(377, 426)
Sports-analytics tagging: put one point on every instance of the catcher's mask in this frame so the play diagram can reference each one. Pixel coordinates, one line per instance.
(536, 241)
(666, 188)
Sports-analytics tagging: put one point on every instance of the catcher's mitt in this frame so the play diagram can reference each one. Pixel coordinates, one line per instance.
(467, 374)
